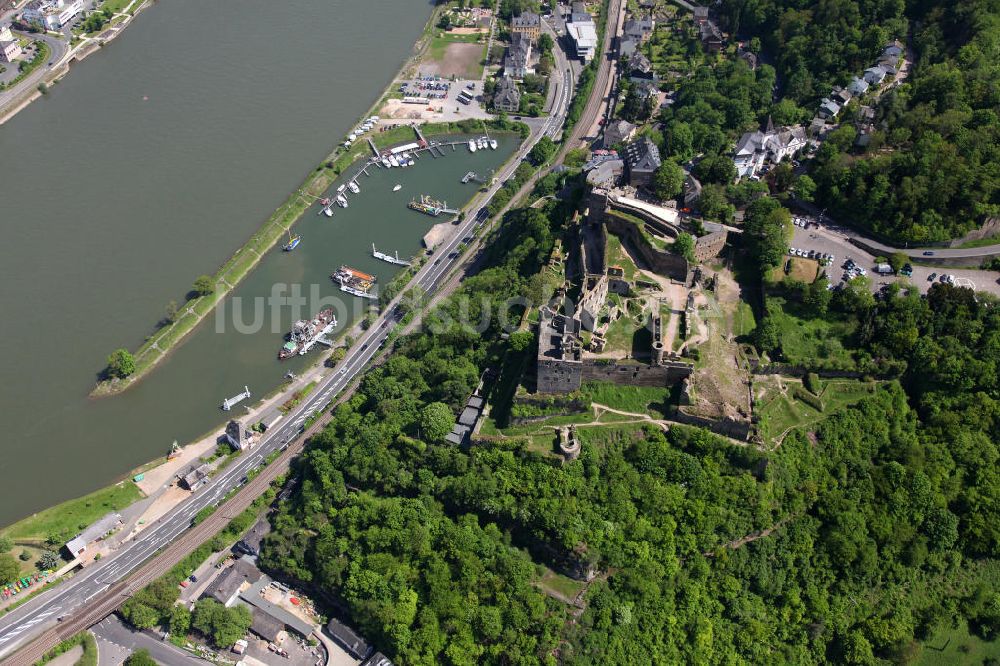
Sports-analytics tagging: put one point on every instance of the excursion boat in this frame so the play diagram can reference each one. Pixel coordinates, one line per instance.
(353, 186)
(293, 242)
(342, 201)
(472, 146)
(307, 332)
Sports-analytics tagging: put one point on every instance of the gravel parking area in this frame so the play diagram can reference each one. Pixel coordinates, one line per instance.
(442, 100)
(827, 241)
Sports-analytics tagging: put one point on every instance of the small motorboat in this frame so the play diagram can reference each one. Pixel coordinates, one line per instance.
(328, 211)
(397, 188)
(493, 144)
(354, 187)
(293, 242)
(342, 201)
(472, 146)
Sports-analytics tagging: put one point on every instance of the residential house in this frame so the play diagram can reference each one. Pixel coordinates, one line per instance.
(579, 13)
(640, 68)
(238, 436)
(888, 65)
(626, 47)
(517, 62)
(507, 97)
(250, 543)
(528, 24)
(866, 117)
(754, 149)
(893, 50)
(227, 586)
(841, 96)
(10, 50)
(52, 14)
(606, 174)
(874, 75)
(265, 626)
(711, 36)
(857, 86)
(828, 109)
(700, 15)
(616, 132)
(5, 33)
(638, 29)
(353, 644)
(642, 159)
(195, 477)
(78, 545)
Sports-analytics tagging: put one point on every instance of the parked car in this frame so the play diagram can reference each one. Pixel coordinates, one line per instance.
(928, 253)
(932, 277)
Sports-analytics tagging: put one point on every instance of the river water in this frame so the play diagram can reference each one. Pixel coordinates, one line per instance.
(146, 167)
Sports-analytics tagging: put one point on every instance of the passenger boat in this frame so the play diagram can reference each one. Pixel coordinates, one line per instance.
(307, 332)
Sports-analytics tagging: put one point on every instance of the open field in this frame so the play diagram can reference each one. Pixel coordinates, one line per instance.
(68, 518)
(803, 270)
(455, 55)
(637, 399)
(780, 411)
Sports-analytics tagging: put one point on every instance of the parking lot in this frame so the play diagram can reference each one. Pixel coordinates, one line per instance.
(440, 100)
(819, 239)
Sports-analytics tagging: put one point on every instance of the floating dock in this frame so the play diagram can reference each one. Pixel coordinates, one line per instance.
(229, 403)
(429, 206)
(388, 257)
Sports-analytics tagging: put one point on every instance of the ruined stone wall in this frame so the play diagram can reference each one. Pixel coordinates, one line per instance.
(634, 374)
(670, 265)
(556, 376)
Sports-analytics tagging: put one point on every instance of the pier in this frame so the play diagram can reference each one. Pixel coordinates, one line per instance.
(473, 176)
(229, 403)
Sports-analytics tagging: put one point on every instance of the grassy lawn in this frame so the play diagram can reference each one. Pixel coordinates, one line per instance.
(69, 518)
(956, 646)
(637, 399)
(615, 255)
(559, 584)
(808, 341)
(743, 319)
(780, 411)
(803, 270)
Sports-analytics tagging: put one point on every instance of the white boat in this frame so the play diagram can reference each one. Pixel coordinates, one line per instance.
(397, 188)
(493, 144)
(411, 162)
(403, 161)
(328, 211)
(472, 146)
(353, 186)
(386, 163)
(341, 188)
(342, 201)
(393, 161)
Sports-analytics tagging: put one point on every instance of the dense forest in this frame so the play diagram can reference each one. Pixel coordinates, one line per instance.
(848, 544)
(932, 168)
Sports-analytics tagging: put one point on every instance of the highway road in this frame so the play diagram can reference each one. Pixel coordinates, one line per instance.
(91, 594)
